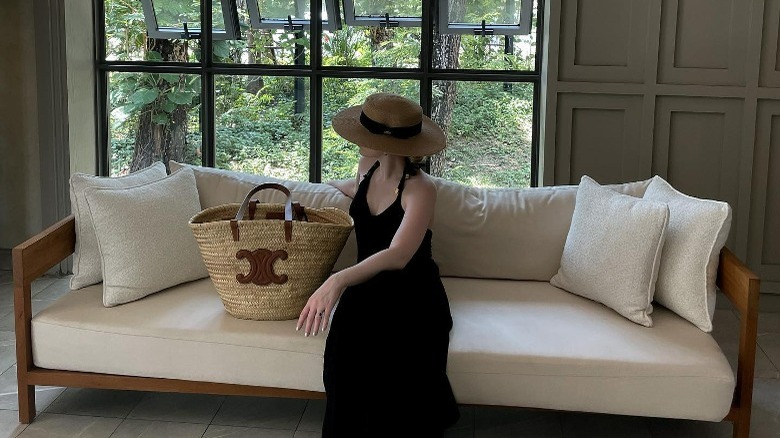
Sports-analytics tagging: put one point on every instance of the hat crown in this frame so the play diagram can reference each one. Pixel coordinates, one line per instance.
(392, 110)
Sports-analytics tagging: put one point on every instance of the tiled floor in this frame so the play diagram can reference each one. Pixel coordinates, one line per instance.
(93, 413)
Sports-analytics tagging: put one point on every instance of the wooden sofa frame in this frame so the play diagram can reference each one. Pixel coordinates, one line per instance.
(40, 253)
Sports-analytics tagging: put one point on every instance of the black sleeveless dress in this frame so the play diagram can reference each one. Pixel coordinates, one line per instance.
(386, 351)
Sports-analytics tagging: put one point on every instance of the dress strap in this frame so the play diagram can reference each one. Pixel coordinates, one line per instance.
(371, 170)
(407, 173)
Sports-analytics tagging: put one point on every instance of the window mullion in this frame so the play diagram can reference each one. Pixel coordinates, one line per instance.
(208, 136)
(315, 90)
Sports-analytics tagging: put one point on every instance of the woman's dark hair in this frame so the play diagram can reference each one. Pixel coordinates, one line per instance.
(413, 165)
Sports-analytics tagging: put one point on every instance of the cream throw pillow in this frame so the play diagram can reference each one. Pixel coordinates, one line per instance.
(86, 258)
(613, 250)
(145, 242)
(698, 229)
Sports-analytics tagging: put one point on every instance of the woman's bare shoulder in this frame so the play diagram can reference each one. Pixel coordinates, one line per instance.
(421, 185)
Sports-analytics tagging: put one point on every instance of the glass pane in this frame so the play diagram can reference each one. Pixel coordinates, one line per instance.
(153, 116)
(396, 8)
(263, 46)
(340, 157)
(126, 38)
(369, 46)
(172, 13)
(262, 125)
(280, 9)
(491, 52)
(492, 11)
(489, 128)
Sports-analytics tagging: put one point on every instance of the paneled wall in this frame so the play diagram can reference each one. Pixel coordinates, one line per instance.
(686, 89)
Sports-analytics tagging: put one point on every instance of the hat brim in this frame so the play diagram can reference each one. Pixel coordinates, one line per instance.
(430, 140)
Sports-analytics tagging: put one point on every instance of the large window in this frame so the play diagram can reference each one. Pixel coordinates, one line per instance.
(252, 85)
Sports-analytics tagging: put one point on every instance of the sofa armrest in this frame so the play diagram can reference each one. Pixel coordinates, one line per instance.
(741, 286)
(32, 259)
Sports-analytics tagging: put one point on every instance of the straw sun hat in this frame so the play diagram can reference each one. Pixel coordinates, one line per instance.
(390, 123)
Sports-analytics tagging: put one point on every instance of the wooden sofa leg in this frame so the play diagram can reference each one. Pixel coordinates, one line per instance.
(742, 425)
(26, 403)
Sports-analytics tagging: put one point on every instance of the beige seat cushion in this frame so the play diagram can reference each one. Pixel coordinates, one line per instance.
(532, 344)
(513, 343)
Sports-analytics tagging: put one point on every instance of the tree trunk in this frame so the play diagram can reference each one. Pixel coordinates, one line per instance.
(446, 55)
(161, 142)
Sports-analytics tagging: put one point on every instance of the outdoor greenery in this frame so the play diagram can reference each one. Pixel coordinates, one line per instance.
(263, 122)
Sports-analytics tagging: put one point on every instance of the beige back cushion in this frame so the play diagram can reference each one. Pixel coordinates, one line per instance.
(481, 233)
(515, 234)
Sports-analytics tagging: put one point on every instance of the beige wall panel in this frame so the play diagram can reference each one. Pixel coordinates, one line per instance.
(703, 42)
(598, 135)
(603, 40)
(764, 239)
(697, 146)
(770, 48)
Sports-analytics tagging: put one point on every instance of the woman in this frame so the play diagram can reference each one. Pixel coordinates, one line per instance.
(386, 351)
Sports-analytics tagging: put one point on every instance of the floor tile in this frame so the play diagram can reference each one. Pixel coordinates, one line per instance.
(132, 428)
(60, 425)
(769, 303)
(306, 434)
(7, 290)
(765, 417)
(768, 322)
(265, 412)
(6, 295)
(764, 367)
(459, 433)
(55, 290)
(6, 277)
(10, 425)
(670, 428)
(7, 356)
(515, 422)
(466, 420)
(44, 395)
(770, 344)
(95, 402)
(7, 337)
(185, 408)
(7, 321)
(312, 416)
(216, 431)
(578, 425)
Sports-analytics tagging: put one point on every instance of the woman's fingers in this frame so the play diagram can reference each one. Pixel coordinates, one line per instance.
(303, 317)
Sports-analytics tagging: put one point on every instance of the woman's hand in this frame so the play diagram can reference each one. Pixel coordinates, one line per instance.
(315, 315)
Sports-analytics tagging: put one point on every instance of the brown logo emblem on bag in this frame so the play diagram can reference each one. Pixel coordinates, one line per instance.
(261, 263)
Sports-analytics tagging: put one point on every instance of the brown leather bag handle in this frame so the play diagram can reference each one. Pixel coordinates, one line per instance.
(288, 210)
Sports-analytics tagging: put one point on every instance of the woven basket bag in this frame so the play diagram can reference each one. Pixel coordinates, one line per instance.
(266, 266)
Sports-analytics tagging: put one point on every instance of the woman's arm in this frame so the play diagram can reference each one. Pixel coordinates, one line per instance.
(418, 201)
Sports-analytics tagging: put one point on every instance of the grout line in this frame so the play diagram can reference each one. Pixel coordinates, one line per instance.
(297, 425)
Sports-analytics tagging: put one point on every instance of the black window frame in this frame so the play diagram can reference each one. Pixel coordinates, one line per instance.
(316, 72)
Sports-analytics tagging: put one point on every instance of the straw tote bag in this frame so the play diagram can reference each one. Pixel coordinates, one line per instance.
(266, 259)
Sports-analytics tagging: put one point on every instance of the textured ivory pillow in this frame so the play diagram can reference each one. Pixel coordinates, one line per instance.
(613, 250)
(145, 242)
(697, 231)
(86, 258)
